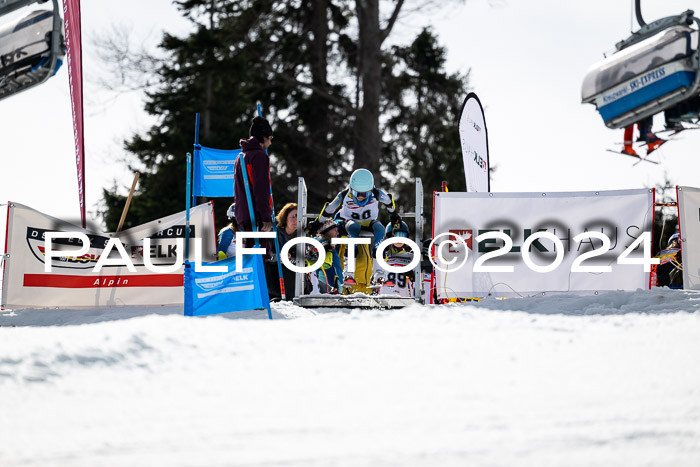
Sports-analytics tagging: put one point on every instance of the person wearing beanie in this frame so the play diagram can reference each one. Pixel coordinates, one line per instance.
(254, 151)
(261, 129)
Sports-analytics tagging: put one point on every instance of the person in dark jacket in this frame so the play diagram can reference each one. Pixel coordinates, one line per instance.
(286, 230)
(258, 164)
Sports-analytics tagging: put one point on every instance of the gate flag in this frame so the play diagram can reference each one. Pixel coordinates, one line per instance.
(71, 15)
(475, 144)
(213, 172)
(207, 293)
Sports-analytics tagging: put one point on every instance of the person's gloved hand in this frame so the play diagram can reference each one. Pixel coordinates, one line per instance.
(221, 255)
(395, 218)
(314, 225)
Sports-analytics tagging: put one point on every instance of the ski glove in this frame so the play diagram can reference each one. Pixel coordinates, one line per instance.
(395, 218)
(314, 225)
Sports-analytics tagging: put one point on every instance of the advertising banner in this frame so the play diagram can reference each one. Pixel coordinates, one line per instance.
(73, 282)
(545, 253)
(475, 145)
(689, 214)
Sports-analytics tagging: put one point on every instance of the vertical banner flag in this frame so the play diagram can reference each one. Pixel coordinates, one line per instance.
(71, 15)
(475, 145)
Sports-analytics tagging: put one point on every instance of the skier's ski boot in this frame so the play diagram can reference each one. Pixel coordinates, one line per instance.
(349, 281)
(378, 280)
(675, 126)
(629, 150)
(654, 143)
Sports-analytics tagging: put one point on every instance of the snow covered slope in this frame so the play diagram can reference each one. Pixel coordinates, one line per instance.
(610, 380)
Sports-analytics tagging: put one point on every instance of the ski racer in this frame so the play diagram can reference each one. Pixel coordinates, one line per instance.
(397, 254)
(357, 207)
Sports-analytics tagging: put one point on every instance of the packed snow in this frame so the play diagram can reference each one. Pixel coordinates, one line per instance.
(607, 380)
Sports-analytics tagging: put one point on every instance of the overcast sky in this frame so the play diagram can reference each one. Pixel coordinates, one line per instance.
(528, 60)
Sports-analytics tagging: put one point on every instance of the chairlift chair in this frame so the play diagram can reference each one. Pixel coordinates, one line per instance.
(31, 47)
(8, 6)
(652, 70)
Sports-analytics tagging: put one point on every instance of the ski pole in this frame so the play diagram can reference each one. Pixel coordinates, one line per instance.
(274, 229)
(244, 166)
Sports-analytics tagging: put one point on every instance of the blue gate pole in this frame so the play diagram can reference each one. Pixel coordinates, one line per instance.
(197, 148)
(187, 208)
(274, 229)
(244, 167)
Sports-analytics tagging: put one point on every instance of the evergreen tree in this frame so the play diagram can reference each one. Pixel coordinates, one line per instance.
(422, 135)
(322, 78)
(241, 53)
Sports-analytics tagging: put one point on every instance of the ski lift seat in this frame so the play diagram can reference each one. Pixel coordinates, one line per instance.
(31, 50)
(642, 76)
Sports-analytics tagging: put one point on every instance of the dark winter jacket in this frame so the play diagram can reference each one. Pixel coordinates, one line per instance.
(259, 178)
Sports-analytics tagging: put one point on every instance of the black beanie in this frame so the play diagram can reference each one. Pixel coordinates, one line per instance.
(260, 128)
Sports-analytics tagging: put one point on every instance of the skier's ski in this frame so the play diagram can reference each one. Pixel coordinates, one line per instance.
(639, 158)
(674, 132)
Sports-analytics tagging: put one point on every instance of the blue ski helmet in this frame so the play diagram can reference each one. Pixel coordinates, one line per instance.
(231, 213)
(362, 180)
(361, 184)
(401, 231)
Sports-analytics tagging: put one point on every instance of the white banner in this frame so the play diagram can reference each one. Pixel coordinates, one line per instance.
(72, 282)
(475, 145)
(689, 212)
(621, 216)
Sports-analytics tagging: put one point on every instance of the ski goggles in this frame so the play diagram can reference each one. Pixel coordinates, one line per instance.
(401, 233)
(361, 194)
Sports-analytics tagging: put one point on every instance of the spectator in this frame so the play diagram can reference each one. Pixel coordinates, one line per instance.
(258, 169)
(286, 230)
(227, 236)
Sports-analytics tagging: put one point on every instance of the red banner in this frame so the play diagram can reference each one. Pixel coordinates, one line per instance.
(71, 15)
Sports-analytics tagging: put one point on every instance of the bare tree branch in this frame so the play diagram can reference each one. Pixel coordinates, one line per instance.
(392, 20)
(127, 67)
